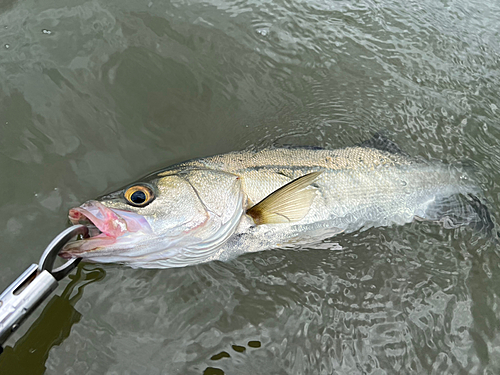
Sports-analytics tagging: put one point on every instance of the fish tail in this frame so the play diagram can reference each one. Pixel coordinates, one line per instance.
(483, 222)
(462, 210)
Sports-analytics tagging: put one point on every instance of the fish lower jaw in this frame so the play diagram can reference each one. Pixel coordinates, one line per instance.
(78, 248)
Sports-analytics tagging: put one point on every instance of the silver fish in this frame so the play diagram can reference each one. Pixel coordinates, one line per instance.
(221, 206)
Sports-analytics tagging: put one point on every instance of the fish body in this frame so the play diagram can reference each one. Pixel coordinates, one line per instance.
(224, 205)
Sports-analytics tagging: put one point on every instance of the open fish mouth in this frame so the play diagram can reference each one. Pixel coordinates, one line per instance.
(106, 226)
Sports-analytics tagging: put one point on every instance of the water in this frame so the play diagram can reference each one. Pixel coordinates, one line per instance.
(96, 94)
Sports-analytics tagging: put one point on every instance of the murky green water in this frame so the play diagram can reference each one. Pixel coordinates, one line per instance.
(94, 94)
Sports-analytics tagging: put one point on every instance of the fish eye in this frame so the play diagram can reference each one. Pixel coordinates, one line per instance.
(139, 195)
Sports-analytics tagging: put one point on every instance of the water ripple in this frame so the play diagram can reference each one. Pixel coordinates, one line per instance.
(95, 94)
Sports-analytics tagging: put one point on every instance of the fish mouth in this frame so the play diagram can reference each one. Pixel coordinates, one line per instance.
(106, 226)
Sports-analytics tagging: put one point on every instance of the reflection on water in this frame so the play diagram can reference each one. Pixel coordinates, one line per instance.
(95, 94)
(52, 327)
(377, 303)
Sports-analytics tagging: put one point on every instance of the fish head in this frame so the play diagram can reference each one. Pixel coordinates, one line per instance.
(169, 219)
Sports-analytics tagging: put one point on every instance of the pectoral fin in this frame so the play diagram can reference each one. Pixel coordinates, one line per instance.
(288, 204)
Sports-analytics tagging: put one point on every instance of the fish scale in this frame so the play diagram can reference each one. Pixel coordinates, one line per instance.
(221, 206)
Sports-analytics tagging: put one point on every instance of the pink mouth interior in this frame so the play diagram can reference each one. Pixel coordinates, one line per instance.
(112, 223)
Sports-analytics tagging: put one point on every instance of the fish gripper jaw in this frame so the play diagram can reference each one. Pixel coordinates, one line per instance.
(35, 284)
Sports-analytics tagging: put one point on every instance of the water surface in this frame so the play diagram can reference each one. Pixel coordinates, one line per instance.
(95, 94)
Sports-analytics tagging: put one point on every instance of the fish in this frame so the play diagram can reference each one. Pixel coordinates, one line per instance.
(218, 207)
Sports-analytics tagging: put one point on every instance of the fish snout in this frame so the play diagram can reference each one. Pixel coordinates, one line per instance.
(103, 218)
(106, 226)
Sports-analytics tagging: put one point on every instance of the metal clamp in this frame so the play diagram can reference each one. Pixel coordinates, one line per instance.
(30, 289)
(50, 254)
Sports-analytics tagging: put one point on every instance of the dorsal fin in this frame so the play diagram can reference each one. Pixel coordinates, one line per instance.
(381, 142)
(295, 147)
(288, 204)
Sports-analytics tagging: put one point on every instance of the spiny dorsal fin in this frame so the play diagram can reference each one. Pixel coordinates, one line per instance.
(381, 142)
(288, 204)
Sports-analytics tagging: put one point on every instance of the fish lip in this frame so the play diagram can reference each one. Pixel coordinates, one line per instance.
(103, 218)
(106, 225)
